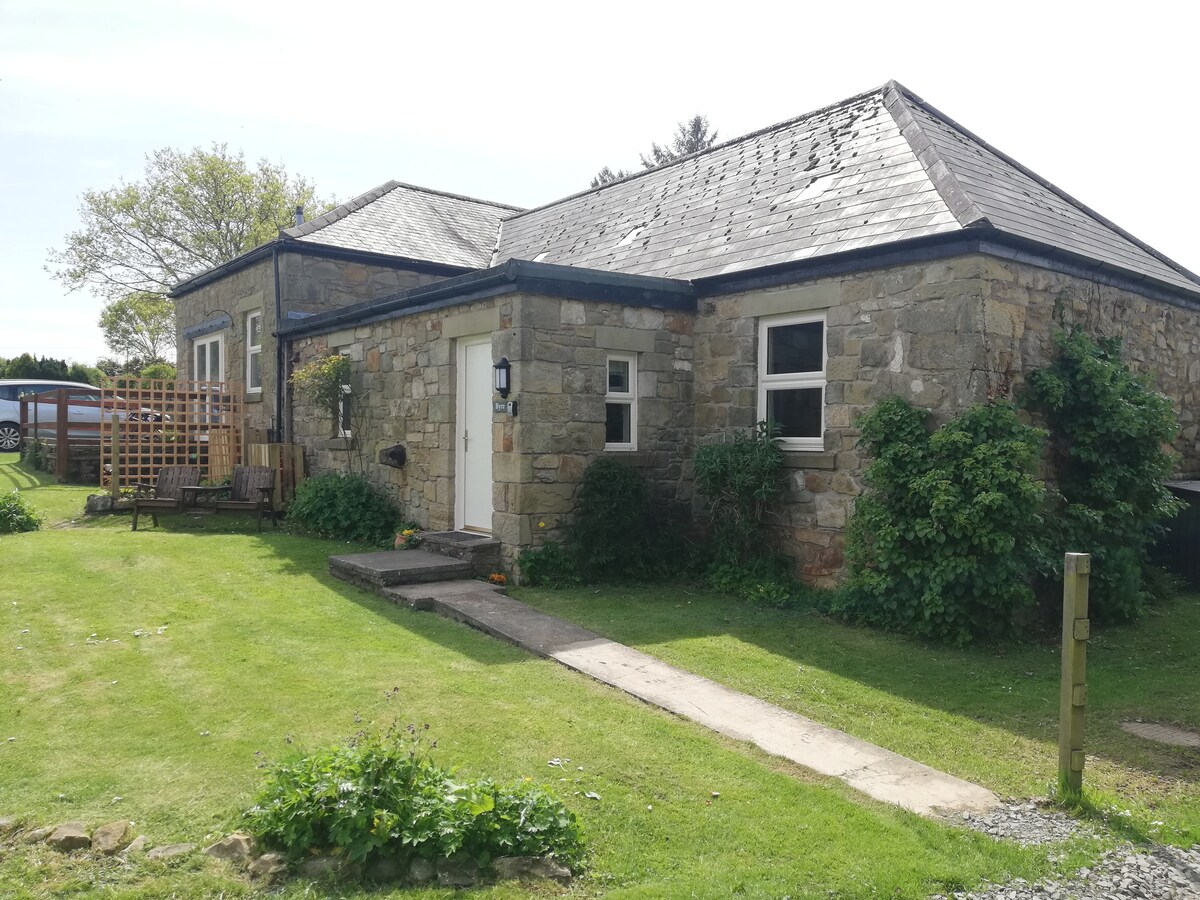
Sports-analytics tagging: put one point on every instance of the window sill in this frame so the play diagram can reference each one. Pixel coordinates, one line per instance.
(337, 443)
(254, 397)
(809, 459)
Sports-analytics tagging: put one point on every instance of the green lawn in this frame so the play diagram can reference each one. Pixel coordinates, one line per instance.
(989, 715)
(260, 646)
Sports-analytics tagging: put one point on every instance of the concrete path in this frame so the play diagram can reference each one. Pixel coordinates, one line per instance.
(876, 772)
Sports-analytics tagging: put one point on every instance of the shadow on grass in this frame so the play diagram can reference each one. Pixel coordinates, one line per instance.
(1145, 670)
(302, 555)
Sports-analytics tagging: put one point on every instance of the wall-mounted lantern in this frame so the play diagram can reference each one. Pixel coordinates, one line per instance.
(503, 371)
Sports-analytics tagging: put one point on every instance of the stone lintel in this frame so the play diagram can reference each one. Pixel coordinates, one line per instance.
(796, 299)
(628, 339)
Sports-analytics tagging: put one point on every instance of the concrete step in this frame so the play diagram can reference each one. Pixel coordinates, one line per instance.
(385, 568)
(434, 596)
(482, 551)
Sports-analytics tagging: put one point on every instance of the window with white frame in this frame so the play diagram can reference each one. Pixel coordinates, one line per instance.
(620, 403)
(791, 379)
(254, 353)
(209, 357)
(344, 410)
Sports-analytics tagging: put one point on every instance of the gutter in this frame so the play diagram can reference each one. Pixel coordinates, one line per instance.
(983, 238)
(279, 353)
(514, 275)
(284, 244)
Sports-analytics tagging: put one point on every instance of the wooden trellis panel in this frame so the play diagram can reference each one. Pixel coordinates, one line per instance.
(146, 424)
(288, 462)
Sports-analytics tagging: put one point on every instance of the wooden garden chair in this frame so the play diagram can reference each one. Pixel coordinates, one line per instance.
(166, 493)
(251, 490)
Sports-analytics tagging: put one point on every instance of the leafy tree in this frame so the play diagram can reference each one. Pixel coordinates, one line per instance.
(191, 211)
(140, 325)
(691, 136)
(28, 366)
(607, 176)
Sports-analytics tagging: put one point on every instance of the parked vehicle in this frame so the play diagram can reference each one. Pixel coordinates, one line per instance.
(84, 416)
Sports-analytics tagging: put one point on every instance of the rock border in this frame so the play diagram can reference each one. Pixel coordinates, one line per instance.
(242, 851)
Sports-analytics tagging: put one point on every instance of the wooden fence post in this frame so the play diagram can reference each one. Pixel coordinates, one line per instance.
(115, 475)
(1073, 691)
(62, 441)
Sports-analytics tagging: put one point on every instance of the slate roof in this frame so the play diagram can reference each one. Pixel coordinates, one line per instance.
(417, 223)
(872, 170)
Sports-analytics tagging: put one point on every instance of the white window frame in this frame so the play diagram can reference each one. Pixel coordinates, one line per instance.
(624, 398)
(207, 340)
(792, 380)
(253, 350)
(344, 412)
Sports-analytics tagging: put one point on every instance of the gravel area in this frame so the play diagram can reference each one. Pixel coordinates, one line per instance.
(1126, 873)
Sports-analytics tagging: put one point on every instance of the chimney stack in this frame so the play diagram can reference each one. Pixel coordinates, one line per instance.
(299, 215)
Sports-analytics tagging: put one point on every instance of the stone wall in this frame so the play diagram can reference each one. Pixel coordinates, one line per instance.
(310, 285)
(1159, 340)
(943, 335)
(251, 289)
(405, 379)
(559, 350)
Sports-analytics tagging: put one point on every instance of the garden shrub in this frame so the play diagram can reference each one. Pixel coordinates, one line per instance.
(944, 542)
(381, 794)
(33, 454)
(739, 479)
(16, 515)
(766, 581)
(346, 508)
(618, 534)
(1108, 431)
(614, 536)
(551, 565)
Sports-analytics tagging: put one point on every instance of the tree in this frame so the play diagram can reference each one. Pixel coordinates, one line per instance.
(691, 136)
(190, 212)
(607, 175)
(139, 325)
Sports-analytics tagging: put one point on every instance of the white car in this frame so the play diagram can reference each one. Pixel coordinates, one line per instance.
(83, 418)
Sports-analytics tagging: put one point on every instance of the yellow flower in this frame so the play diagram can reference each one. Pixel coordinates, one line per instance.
(541, 524)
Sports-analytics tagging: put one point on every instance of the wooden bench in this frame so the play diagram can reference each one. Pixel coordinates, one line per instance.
(166, 493)
(250, 491)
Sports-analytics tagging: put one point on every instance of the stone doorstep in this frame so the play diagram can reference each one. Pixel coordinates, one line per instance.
(432, 596)
(391, 567)
(480, 550)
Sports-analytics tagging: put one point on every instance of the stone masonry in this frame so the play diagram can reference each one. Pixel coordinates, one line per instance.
(943, 334)
(310, 284)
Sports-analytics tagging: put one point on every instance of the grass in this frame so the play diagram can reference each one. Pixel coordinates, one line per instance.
(987, 714)
(258, 646)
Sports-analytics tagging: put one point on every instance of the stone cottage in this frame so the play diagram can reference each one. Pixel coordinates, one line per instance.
(393, 237)
(799, 274)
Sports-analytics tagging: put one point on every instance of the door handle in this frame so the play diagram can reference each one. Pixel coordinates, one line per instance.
(465, 438)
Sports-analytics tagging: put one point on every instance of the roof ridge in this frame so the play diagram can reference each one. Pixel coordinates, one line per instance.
(353, 205)
(452, 195)
(713, 149)
(340, 211)
(1048, 185)
(940, 175)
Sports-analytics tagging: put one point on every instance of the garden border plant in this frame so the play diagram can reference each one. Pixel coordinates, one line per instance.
(943, 542)
(1108, 431)
(381, 794)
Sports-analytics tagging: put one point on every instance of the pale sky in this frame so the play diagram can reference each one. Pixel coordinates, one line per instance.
(523, 102)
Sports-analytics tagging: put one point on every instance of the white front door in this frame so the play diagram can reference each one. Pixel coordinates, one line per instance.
(473, 433)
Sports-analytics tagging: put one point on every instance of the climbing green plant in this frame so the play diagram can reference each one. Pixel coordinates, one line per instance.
(739, 479)
(943, 543)
(320, 382)
(1109, 434)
